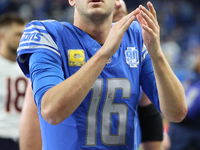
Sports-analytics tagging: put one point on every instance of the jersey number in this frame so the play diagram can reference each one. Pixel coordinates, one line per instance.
(19, 93)
(109, 108)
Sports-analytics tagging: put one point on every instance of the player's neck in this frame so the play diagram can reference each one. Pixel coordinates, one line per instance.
(98, 31)
(7, 53)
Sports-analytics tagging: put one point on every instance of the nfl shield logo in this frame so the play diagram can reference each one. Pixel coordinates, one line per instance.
(131, 55)
(109, 61)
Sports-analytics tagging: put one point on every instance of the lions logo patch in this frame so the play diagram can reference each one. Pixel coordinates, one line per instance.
(76, 57)
(131, 55)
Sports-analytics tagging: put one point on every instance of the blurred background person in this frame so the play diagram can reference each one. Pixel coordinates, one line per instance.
(186, 134)
(13, 82)
(29, 127)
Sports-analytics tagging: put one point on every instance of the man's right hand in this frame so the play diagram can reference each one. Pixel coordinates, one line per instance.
(117, 31)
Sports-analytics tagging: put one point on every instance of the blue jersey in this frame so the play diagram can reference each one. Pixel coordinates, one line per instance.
(51, 51)
(192, 92)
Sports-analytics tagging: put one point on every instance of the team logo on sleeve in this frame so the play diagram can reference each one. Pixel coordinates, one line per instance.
(31, 37)
(76, 57)
(131, 55)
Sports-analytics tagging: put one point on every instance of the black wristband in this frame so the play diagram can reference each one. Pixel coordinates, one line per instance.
(151, 123)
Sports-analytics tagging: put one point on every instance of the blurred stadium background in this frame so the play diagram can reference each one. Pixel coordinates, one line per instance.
(179, 21)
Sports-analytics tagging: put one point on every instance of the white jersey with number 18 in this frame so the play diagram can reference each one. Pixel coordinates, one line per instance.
(12, 90)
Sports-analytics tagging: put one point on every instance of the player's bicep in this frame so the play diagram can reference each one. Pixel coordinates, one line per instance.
(45, 72)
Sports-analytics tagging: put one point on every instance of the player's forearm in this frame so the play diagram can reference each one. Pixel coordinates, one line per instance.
(152, 145)
(30, 135)
(170, 90)
(29, 128)
(59, 102)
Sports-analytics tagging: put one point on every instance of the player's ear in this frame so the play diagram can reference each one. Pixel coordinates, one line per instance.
(1, 34)
(72, 2)
(117, 2)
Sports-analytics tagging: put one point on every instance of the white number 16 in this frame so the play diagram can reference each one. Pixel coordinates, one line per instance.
(109, 108)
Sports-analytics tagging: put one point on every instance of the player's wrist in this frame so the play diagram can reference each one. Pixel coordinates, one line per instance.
(157, 56)
(103, 54)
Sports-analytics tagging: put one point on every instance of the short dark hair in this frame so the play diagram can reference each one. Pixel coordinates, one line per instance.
(10, 18)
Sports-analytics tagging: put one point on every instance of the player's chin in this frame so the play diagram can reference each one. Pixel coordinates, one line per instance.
(98, 12)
